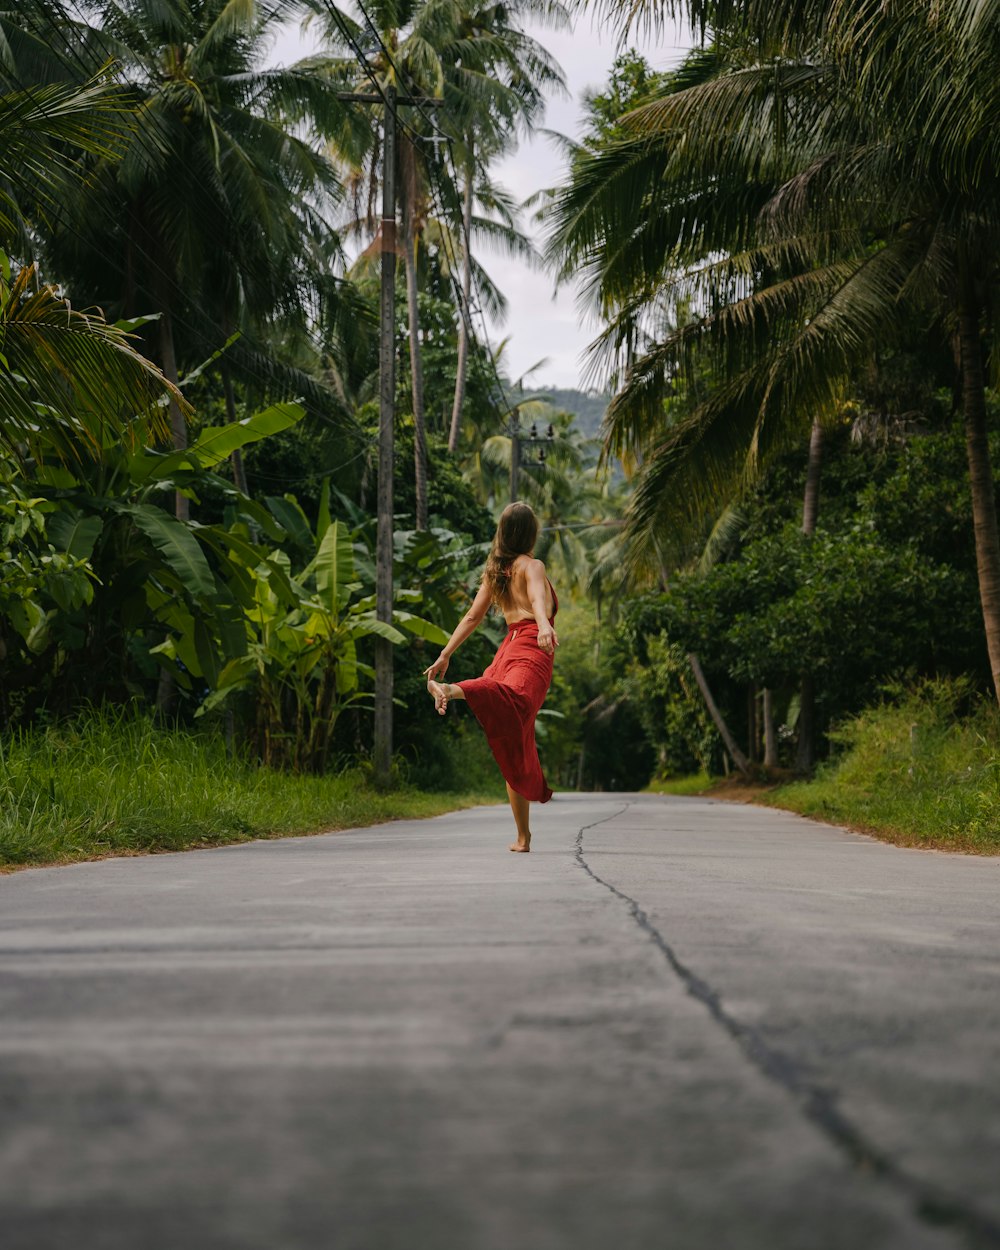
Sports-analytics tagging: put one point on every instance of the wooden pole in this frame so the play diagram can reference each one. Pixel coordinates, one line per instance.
(515, 452)
(463, 320)
(806, 749)
(386, 456)
(770, 735)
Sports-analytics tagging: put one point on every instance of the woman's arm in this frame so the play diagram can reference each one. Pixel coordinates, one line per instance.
(469, 623)
(537, 585)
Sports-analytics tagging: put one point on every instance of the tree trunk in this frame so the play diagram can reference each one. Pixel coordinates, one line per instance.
(236, 459)
(417, 376)
(166, 690)
(239, 472)
(810, 503)
(984, 510)
(739, 759)
(464, 314)
(805, 755)
(166, 695)
(770, 737)
(178, 426)
(752, 723)
(128, 299)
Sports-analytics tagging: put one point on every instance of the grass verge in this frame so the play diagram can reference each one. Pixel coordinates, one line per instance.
(913, 772)
(697, 783)
(114, 784)
(921, 770)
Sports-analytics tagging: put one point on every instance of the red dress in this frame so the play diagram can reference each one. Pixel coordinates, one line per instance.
(506, 700)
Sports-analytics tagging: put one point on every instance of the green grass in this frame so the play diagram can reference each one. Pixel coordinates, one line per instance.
(113, 783)
(698, 783)
(913, 772)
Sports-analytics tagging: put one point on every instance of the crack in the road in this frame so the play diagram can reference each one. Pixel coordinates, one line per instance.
(932, 1205)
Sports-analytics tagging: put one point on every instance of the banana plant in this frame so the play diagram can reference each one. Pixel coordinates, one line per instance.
(263, 603)
(306, 633)
(44, 566)
(96, 568)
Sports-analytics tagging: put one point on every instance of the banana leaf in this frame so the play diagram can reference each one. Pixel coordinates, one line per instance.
(334, 567)
(74, 533)
(216, 443)
(178, 546)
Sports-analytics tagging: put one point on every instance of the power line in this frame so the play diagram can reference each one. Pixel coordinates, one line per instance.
(399, 74)
(500, 398)
(70, 47)
(360, 55)
(503, 406)
(414, 100)
(369, 444)
(467, 241)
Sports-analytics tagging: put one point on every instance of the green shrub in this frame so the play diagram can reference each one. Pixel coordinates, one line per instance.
(923, 768)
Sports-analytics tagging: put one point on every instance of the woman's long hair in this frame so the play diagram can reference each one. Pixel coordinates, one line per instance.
(517, 531)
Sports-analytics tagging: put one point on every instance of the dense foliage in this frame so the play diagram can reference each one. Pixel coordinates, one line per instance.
(884, 591)
(792, 239)
(920, 767)
(188, 467)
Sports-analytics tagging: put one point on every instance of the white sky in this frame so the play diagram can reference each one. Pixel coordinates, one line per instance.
(541, 323)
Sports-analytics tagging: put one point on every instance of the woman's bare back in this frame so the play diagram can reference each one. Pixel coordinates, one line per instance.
(517, 601)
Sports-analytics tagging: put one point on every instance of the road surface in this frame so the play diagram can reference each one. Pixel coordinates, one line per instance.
(677, 1024)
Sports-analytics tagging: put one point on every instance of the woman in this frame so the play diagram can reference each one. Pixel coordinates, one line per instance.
(507, 697)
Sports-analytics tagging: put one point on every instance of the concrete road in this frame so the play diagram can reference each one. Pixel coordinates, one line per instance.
(677, 1024)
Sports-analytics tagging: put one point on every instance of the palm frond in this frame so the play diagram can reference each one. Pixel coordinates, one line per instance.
(70, 381)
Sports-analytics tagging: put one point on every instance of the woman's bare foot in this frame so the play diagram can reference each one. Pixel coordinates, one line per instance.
(519, 807)
(440, 693)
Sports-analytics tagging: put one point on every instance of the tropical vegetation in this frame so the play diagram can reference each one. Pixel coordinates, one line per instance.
(791, 242)
(187, 371)
(781, 540)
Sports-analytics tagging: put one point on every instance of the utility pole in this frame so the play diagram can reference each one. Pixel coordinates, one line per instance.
(515, 452)
(519, 442)
(386, 449)
(386, 421)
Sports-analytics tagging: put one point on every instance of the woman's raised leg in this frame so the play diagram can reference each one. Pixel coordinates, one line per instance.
(519, 806)
(442, 692)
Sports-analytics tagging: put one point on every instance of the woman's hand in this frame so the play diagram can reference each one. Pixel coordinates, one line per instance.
(439, 667)
(547, 639)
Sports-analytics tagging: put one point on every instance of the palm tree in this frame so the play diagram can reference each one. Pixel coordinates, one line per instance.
(392, 55)
(836, 164)
(68, 379)
(217, 213)
(501, 94)
(489, 75)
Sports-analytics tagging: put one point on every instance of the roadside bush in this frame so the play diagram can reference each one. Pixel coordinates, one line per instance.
(672, 712)
(924, 766)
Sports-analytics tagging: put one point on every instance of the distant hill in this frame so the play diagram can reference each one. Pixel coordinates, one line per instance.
(587, 406)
